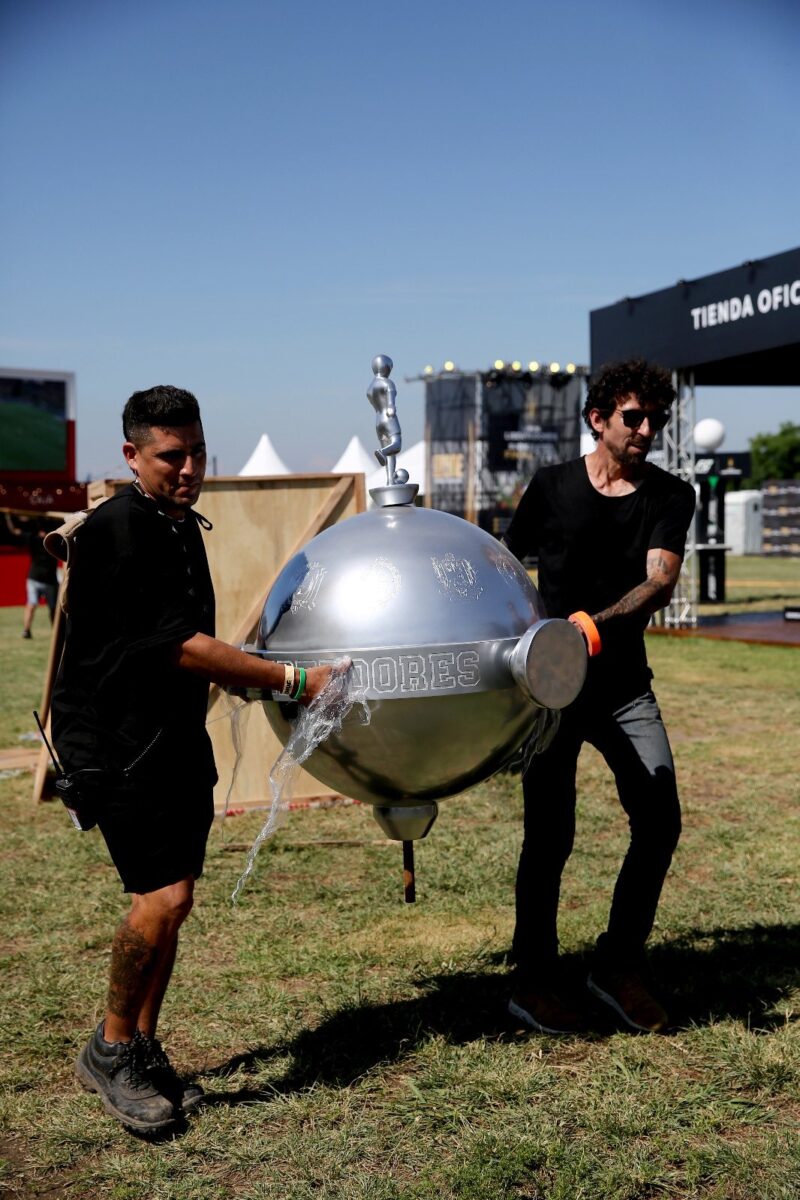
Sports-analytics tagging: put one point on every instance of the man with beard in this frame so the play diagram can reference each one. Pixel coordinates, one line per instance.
(609, 531)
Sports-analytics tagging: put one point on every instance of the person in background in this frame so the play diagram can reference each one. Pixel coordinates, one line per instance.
(42, 581)
(129, 712)
(609, 532)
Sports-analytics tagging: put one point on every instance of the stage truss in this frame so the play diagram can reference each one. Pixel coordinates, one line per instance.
(681, 612)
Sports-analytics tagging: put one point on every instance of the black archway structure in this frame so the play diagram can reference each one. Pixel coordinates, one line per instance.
(739, 327)
(736, 327)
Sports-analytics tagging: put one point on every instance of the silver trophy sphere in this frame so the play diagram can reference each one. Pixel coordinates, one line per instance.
(448, 638)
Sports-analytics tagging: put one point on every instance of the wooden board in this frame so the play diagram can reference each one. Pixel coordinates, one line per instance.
(44, 766)
(259, 522)
(19, 759)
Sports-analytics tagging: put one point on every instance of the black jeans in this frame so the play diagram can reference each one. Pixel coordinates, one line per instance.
(634, 743)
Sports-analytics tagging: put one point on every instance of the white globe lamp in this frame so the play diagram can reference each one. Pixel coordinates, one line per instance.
(709, 434)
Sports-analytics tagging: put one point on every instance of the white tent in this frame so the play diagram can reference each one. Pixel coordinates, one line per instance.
(411, 460)
(265, 460)
(354, 458)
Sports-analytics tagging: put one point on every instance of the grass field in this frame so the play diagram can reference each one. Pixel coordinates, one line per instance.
(758, 584)
(755, 583)
(356, 1047)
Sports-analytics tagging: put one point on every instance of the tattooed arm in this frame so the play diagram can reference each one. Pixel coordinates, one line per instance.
(663, 569)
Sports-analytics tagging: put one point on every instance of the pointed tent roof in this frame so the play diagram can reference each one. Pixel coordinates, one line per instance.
(411, 460)
(265, 460)
(354, 458)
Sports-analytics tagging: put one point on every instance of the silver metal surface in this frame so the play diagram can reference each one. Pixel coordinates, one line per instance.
(449, 641)
(548, 660)
(406, 822)
(431, 610)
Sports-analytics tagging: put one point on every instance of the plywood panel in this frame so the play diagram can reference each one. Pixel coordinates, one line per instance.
(258, 525)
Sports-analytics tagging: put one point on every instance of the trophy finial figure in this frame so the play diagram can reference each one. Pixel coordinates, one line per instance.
(382, 395)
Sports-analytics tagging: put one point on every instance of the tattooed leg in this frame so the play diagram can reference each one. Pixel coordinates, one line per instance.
(142, 957)
(132, 961)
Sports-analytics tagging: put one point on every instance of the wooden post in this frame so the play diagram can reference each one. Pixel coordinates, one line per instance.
(469, 505)
(409, 876)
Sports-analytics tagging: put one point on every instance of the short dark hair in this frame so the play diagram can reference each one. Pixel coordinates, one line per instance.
(161, 406)
(635, 376)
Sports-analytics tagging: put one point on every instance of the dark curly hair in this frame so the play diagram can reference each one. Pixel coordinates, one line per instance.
(161, 406)
(650, 384)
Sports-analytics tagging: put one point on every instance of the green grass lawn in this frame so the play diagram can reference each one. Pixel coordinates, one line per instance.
(756, 583)
(355, 1047)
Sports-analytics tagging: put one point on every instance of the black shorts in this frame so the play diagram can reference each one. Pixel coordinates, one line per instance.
(156, 835)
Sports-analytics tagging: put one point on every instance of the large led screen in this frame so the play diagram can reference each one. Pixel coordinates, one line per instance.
(33, 424)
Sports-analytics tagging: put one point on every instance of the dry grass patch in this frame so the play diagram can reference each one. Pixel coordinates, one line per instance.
(429, 934)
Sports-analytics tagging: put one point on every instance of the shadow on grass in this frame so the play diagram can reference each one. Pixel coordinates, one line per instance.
(709, 976)
(730, 974)
(459, 1006)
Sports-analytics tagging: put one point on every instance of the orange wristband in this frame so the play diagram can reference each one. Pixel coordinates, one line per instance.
(589, 631)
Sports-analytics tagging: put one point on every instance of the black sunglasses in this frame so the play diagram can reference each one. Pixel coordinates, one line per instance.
(632, 418)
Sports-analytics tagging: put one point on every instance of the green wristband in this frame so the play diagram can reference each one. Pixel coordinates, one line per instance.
(301, 687)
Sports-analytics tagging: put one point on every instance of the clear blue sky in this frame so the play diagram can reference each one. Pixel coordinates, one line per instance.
(250, 199)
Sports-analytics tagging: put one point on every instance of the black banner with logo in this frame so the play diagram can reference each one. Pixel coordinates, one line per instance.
(740, 326)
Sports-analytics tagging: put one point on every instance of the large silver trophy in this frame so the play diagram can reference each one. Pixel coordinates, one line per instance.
(448, 638)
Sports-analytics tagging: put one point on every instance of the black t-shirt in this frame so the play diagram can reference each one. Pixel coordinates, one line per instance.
(139, 583)
(43, 565)
(592, 550)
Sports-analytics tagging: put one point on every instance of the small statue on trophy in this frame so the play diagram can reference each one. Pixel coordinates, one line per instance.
(382, 395)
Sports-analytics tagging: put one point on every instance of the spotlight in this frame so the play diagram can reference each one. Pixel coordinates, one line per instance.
(516, 366)
(533, 365)
(428, 370)
(555, 368)
(570, 368)
(499, 365)
(449, 366)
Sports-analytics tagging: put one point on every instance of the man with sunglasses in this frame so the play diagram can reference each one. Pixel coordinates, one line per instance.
(609, 531)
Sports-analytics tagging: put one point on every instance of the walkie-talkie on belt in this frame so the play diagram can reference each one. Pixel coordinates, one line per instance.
(68, 789)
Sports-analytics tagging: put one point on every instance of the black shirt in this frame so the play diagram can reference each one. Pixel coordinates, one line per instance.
(139, 583)
(43, 565)
(592, 550)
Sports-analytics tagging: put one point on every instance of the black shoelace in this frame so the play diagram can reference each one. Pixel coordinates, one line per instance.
(156, 1060)
(134, 1058)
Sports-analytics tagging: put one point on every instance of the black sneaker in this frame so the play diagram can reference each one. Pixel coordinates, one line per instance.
(544, 1004)
(119, 1073)
(26, 633)
(185, 1096)
(628, 994)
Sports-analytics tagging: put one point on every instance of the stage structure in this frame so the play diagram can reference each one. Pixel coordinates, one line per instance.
(739, 327)
(487, 432)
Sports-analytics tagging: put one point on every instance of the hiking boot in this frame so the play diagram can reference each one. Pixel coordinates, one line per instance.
(624, 990)
(545, 1009)
(118, 1072)
(185, 1096)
